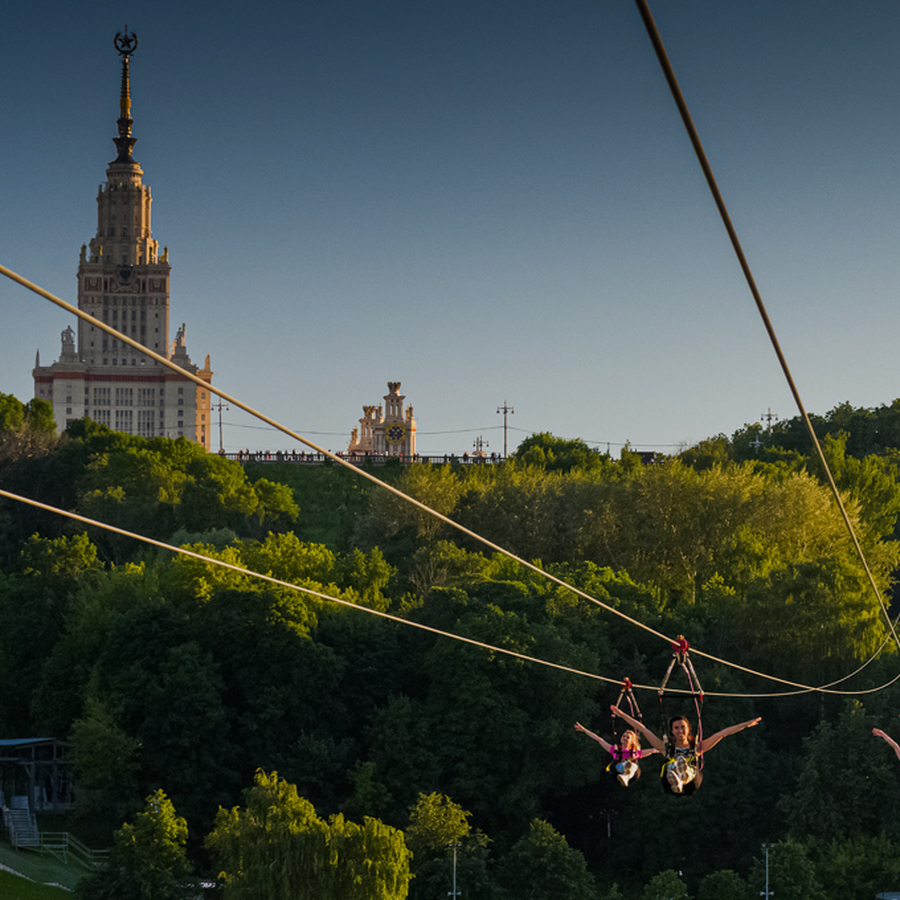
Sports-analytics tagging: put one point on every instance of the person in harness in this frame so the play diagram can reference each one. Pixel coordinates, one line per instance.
(683, 752)
(625, 754)
(888, 740)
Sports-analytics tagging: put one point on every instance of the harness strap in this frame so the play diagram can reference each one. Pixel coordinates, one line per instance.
(628, 693)
(680, 655)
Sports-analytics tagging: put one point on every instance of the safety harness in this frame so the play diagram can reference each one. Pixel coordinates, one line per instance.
(680, 656)
(618, 753)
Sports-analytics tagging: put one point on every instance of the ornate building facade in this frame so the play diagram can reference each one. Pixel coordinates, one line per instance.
(387, 430)
(123, 281)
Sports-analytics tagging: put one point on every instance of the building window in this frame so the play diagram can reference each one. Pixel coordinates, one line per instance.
(145, 422)
(124, 420)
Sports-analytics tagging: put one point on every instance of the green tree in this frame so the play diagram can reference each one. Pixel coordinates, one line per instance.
(12, 413)
(276, 510)
(723, 885)
(708, 453)
(859, 867)
(277, 847)
(444, 847)
(665, 886)
(443, 564)
(542, 866)
(89, 619)
(106, 764)
(869, 483)
(135, 488)
(534, 513)
(792, 873)
(401, 748)
(164, 690)
(844, 788)
(27, 430)
(158, 486)
(391, 517)
(368, 574)
(148, 860)
(34, 602)
(821, 613)
(556, 454)
(39, 417)
(435, 823)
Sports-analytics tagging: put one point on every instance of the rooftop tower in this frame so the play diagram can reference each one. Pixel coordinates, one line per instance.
(123, 281)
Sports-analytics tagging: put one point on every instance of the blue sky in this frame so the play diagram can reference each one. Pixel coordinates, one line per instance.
(488, 202)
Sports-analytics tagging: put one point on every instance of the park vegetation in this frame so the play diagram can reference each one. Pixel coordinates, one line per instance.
(290, 746)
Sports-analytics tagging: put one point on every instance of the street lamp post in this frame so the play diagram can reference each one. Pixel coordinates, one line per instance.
(767, 893)
(454, 893)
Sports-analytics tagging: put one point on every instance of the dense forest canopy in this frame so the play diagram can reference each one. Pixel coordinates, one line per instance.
(193, 694)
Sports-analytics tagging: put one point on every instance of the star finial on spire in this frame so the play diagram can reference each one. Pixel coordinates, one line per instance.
(125, 43)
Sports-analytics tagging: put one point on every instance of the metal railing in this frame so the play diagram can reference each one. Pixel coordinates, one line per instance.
(63, 845)
(361, 459)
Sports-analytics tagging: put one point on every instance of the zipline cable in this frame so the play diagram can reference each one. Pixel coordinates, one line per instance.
(286, 584)
(681, 103)
(802, 688)
(408, 622)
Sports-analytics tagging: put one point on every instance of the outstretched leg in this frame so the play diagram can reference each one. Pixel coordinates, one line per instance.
(680, 773)
(627, 770)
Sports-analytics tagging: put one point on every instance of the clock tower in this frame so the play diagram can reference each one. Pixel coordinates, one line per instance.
(387, 430)
(123, 280)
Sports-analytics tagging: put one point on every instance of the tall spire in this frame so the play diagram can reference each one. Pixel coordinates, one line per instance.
(125, 43)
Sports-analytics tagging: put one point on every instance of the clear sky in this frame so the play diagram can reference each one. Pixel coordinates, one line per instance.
(487, 201)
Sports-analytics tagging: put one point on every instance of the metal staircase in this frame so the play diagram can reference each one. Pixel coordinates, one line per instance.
(21, 828)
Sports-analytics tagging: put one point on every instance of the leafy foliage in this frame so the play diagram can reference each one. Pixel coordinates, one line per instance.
(279, 848)
(541, 865)
(171, 672)
(666, 886)
(148, 860)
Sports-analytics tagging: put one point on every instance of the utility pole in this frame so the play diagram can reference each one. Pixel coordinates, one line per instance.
(479, 445)
(506, 410)
(768, 417)
(220, 406)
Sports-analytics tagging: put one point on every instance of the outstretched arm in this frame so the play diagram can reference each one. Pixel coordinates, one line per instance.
(709, 743)
(893, 744)
(655, 742)
(604, 744)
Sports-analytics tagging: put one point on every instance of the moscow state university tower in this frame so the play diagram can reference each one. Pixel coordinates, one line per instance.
(123, 281)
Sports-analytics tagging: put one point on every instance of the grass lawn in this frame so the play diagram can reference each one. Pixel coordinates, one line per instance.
(14, 888)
